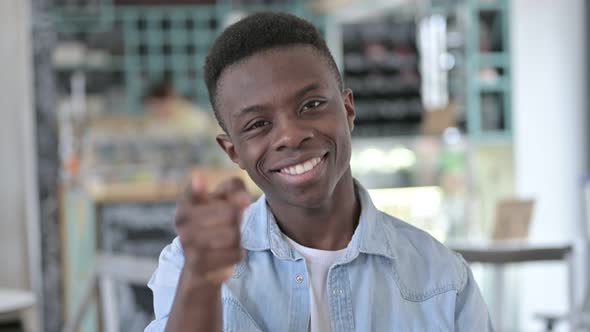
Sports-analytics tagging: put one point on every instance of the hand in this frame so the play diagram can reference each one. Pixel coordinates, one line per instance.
(208, 225)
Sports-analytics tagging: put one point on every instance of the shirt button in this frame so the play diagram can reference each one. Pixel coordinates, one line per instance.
(337, 291)
(299, 278)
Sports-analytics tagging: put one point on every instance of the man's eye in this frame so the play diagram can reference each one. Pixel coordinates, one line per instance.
(257, 124)
(312, 104)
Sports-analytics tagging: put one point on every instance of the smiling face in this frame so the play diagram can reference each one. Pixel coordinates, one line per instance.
(288, 124)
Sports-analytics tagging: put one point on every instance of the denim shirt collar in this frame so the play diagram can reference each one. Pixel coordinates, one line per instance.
(374, 234)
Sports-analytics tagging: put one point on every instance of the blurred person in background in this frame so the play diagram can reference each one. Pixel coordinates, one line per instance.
(169, 111)
(313, 253)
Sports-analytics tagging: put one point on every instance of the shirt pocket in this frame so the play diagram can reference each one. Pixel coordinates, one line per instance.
(435, 313)
(236, 319)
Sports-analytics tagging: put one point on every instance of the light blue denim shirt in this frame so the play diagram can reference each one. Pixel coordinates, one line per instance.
(391, 277)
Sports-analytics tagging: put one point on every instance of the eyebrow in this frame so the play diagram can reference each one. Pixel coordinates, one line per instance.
(310, 87)
(298, 95)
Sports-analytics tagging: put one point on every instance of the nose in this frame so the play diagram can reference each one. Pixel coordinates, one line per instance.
(290, 133)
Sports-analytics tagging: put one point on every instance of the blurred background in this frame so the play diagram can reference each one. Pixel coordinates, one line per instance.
(472, 124)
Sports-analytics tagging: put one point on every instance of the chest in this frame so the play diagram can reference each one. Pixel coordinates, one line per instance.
(271, 295)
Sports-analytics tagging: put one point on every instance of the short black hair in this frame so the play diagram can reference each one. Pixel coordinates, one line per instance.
(256, 33)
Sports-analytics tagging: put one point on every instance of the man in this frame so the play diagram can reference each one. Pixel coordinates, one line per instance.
(313, 253)
(173, 115)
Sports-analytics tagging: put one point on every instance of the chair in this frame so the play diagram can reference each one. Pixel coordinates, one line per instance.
(579, 314)
(108, 270)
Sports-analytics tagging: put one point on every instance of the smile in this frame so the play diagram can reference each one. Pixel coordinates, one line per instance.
(301, 168)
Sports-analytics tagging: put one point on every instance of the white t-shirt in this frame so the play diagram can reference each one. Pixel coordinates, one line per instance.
(318, 263)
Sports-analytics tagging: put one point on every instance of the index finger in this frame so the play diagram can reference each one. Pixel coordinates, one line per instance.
(196, 190)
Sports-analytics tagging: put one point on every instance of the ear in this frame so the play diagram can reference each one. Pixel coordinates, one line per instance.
(228, 147)
(349, 107)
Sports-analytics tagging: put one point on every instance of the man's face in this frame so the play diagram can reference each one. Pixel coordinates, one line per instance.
(288, 124)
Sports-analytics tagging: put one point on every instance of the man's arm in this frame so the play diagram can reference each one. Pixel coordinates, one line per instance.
(197, 305)
(187, 284)
(471, 312)
(182, 302)
(164, 283)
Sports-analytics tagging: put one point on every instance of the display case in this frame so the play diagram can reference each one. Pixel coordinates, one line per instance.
(488, 69)
(124, 46)
(381, 66)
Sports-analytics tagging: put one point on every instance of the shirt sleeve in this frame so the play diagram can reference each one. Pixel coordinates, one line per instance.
(163, 284)
(471, 312)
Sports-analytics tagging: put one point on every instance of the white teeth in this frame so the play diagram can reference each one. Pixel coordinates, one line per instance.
(301, 168)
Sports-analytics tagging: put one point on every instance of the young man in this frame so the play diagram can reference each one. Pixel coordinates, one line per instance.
(313, 253)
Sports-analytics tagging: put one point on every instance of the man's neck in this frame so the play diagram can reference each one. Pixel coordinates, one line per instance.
(329, 226)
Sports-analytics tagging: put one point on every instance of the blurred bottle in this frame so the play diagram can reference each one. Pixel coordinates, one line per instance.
(453, 182)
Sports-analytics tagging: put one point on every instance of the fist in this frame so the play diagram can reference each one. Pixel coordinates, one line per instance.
(208, 225)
